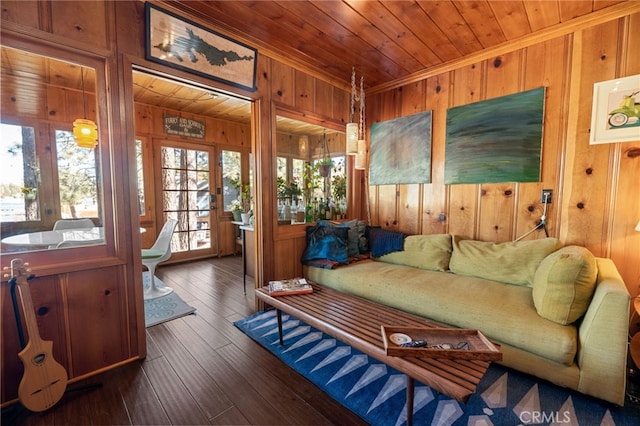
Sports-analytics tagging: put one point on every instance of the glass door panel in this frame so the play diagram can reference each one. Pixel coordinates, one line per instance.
(186, 180)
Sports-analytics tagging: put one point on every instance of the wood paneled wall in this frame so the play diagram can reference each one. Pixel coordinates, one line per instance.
(595, 187)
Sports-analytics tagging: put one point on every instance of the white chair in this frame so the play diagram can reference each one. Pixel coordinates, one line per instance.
(73, 224)
(159, 252)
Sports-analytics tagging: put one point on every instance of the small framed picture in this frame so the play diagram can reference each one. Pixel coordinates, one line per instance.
(615, 116)
(182, 44)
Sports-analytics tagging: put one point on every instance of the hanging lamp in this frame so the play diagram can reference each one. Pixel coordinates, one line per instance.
(85, 131)
(352, 126)
(303, 145)
(361, 153)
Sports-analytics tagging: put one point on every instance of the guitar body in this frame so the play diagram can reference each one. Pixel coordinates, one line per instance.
(44, 380)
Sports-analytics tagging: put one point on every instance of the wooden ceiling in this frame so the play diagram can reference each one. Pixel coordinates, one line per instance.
(384, 40)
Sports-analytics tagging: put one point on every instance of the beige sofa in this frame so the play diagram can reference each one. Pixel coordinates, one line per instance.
(558, 313)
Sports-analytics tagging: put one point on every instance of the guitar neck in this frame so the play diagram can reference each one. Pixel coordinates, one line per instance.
(29, 311)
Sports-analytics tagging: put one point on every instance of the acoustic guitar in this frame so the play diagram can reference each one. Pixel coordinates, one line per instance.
(44, 380)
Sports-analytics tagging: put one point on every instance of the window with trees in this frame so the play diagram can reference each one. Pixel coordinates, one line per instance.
(20, 177)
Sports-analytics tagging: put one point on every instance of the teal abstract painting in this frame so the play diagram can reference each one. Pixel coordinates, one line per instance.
(497, 140)
(401, 150)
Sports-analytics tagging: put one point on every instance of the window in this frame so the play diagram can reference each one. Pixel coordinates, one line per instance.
(231, 179)
(46, 177)
(20, 178)
(77, 178)
(140, 177)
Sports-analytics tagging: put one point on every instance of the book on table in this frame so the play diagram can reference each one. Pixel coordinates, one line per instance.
(287, 287)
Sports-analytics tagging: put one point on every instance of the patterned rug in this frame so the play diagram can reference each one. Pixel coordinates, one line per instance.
(377, 393)
(165, 308)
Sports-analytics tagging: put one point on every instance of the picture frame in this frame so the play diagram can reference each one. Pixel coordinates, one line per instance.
(496, 140)
(401, 150)
(615, 116)
(185, 45)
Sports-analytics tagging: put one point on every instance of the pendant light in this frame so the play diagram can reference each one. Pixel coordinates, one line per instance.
(361, 154)
(352, 126)
(85, 131)
(303, 145)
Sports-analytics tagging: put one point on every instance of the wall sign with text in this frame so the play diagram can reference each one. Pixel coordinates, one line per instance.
(174, 125)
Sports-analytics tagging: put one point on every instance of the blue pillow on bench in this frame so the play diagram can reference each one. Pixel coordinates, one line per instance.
(326, 242)
(384, 241)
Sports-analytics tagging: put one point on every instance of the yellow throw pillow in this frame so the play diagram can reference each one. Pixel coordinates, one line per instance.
(564, 283)
(511, 262)
(431, 252)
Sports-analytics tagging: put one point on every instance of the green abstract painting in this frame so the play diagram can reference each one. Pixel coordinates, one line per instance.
(401, 150)
(497, 140)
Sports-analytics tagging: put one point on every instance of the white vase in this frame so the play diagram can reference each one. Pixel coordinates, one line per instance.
(245, 218)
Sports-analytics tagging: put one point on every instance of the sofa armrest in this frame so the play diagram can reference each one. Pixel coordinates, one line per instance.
(603, 337)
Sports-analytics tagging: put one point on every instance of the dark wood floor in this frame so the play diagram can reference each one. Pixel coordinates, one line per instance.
(199, 370)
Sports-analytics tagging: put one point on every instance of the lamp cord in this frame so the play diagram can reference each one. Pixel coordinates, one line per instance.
(542, 224)
(84, 107)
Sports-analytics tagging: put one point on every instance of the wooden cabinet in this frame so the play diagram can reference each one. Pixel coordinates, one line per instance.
(86, 316)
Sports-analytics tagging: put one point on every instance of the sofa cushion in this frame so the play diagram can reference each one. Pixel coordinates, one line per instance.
(353, 237)
(385, 241)
(431, 252)
(564, 283)
(326, 242)
(510, 262)
(504, 313)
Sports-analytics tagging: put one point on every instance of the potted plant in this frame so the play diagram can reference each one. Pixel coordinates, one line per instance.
(324, 167)
(245, 202)
(29, 192)
(236, 210)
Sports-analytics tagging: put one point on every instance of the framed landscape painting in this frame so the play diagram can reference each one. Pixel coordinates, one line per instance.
(182, 44)
(615, 116)
(401, 150)
(497, 140)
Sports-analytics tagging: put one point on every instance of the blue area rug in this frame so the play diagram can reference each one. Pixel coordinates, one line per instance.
(165, 308)
(377, 393)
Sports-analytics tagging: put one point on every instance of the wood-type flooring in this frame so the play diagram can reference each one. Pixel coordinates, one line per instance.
(199, 369)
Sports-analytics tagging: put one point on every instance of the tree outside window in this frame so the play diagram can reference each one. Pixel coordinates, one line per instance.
(77, 180)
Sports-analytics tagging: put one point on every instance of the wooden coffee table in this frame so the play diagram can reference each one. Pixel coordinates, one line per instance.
(357, 321)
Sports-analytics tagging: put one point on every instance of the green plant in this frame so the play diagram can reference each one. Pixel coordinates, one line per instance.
(339, 187)
(326, 161)
(312, 179)
(281, 186)
(245, 198)
(26, 190)
(235, 206)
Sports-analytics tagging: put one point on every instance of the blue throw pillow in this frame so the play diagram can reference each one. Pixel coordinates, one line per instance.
(352, 236)
(383, 241)
(326, 242)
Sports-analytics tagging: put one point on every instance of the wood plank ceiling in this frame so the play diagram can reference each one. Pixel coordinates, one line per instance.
(384, 40)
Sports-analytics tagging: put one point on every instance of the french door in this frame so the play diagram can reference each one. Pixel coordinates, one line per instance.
(185, 176)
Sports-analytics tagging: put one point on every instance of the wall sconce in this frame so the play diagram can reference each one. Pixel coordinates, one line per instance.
(303, 145)
(85, 131)
(638, 226)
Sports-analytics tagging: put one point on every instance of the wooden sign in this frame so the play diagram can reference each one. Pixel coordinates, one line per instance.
(174, 125)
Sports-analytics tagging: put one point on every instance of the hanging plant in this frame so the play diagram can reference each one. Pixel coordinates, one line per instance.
(324, 165)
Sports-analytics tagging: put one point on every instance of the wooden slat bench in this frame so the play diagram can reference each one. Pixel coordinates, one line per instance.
(356, 322)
